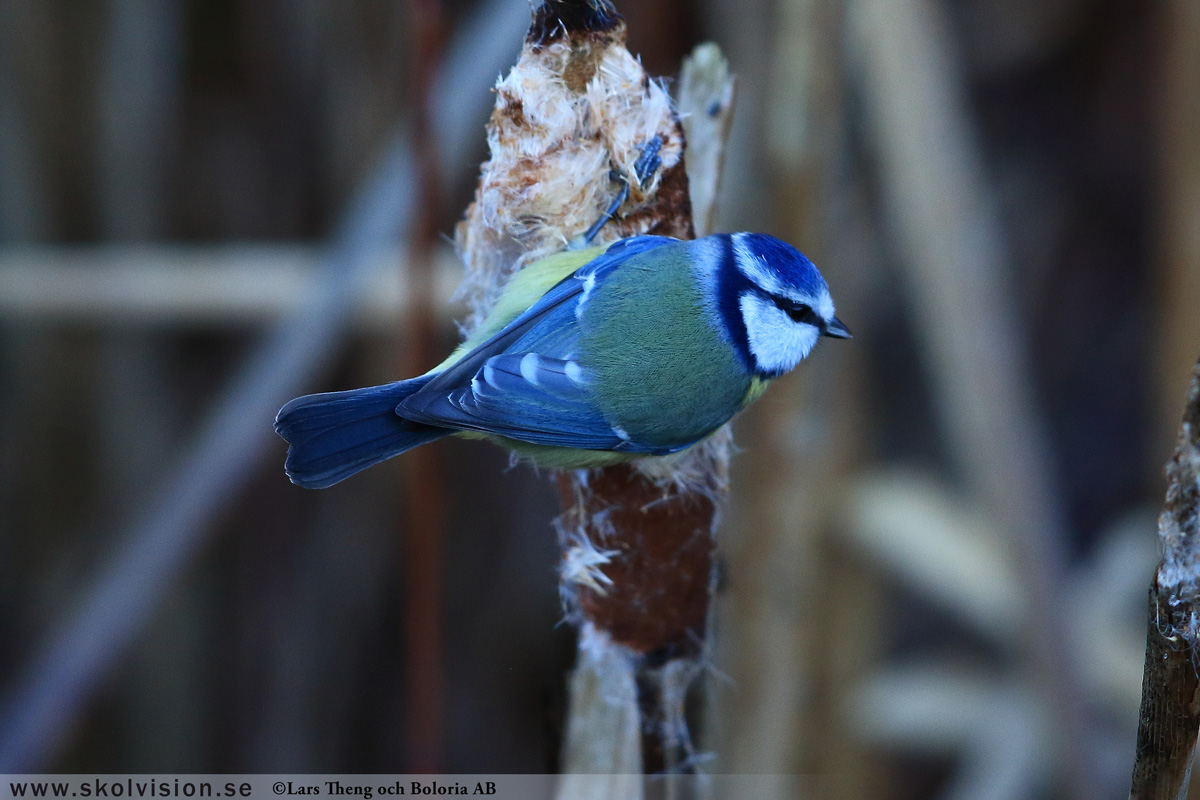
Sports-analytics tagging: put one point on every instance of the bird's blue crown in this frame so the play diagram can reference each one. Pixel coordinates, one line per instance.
(794, 269)
(754, 270)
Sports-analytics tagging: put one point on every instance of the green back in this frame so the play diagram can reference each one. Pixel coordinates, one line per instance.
(664, 372)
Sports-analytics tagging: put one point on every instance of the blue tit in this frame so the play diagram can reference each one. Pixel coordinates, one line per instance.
(590, 358)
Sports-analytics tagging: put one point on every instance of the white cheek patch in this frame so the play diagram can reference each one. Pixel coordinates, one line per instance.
(777, 343)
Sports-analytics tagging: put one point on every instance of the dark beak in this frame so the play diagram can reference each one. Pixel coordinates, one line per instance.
(836, 329)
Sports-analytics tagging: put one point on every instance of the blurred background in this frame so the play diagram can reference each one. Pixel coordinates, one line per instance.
(941, 534)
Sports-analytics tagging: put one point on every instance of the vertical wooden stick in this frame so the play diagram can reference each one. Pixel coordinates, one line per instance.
(1168, 722)
(1170, 713)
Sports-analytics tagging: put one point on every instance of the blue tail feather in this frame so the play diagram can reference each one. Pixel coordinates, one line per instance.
(335, 435)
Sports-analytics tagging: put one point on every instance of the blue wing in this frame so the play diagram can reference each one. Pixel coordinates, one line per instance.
(522, 383)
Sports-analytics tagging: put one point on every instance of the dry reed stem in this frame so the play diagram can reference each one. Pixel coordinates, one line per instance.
(1170, 712)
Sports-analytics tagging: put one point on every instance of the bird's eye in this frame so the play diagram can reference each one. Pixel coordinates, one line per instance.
(799, 312)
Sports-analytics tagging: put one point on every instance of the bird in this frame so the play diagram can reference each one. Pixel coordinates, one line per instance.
(590, 358)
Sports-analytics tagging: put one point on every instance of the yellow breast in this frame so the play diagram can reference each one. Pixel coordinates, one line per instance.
(757, 387)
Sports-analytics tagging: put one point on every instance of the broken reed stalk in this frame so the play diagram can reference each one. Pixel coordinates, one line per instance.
(637, 570)
(1170, 712)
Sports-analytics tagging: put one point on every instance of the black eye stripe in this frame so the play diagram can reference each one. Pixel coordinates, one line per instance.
(799, 312)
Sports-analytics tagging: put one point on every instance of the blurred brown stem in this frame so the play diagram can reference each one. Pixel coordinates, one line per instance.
(425, 522)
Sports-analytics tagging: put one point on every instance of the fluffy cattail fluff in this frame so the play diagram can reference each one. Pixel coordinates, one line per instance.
(574, 112)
